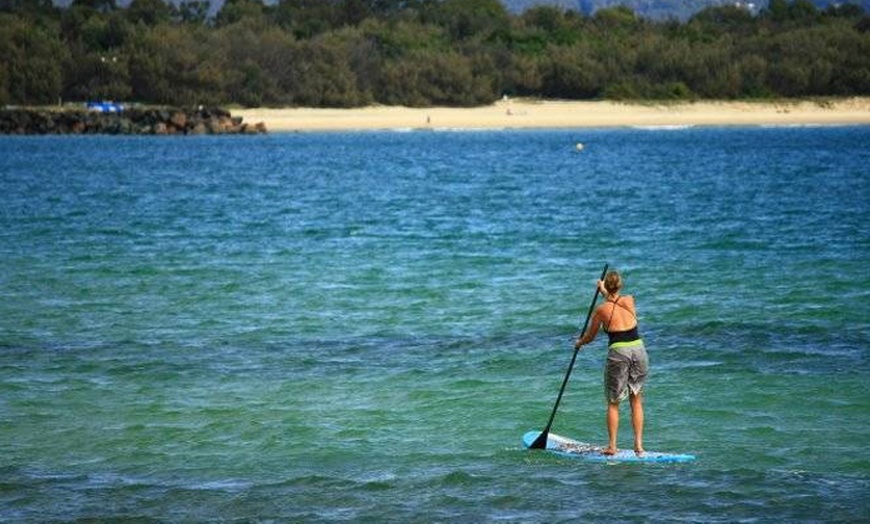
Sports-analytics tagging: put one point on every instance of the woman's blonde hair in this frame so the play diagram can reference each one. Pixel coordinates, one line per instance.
(612, 282)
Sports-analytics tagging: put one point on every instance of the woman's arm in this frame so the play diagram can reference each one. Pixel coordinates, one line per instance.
(603, 290)
(589, 336)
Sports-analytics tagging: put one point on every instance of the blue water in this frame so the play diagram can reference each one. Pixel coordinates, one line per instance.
(361, 326)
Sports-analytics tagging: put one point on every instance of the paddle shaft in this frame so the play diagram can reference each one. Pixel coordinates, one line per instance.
(541, 441)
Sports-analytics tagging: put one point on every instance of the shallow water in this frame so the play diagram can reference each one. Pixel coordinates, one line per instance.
(361, 326)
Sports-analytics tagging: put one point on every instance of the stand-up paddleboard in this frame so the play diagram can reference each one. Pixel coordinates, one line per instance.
(572, 448)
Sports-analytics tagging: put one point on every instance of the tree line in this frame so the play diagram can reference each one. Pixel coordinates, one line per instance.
(345, 53)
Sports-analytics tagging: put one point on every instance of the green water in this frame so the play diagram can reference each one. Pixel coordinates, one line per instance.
(361, 327)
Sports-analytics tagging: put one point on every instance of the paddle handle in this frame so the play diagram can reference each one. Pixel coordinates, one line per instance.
(541, 441)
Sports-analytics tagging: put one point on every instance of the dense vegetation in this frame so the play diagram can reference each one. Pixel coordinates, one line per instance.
(420, 52)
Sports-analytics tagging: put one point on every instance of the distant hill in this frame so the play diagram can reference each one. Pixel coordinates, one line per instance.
(653, 9)
(659, 9)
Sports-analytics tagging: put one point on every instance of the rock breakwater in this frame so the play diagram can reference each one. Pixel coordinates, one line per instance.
(132, 121)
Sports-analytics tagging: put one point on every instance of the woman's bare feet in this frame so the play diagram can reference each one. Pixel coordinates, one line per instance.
(608, 451)
(640, 452)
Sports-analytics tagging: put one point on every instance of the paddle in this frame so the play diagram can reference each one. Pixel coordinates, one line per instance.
(541, 441)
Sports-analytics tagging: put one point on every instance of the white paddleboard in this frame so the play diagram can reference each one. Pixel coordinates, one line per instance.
(573, 448)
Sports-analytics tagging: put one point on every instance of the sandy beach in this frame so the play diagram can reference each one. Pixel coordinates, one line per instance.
(520, 113)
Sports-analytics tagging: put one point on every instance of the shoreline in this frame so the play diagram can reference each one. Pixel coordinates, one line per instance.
(533, 114)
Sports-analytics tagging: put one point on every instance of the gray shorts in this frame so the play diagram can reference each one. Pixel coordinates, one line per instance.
(625, 371)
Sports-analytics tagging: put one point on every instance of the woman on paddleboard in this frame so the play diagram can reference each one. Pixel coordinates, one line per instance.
(627, 363)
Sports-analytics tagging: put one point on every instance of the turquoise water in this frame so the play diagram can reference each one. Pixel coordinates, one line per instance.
(361, 326)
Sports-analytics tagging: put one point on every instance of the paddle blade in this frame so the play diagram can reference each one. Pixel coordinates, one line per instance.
(541, 441)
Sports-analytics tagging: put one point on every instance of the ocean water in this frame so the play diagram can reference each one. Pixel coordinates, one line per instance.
(359, 327)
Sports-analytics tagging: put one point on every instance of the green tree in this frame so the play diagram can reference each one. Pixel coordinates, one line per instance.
(29, 8)
(149, 12)
(306, 18)
(323, 76)
(101, 6)
(728, 19)
(571, 73)
(176, 65)
(803, 11)
(711, 72)
(4, 85)
(364, 59)
(553, 24)
(844, 11)
(617, 18)
(777, 10)
(425, 78)
(753, 69)
(93, 29)
(257, 61)
(351, 12)
(190, 11)
(467, 19)
(798, 68)
(234, 11)
(32, 58)
(395, 39)
(522, 75)
(97, 76)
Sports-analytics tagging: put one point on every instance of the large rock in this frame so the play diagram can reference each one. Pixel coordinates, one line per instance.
(156, 120)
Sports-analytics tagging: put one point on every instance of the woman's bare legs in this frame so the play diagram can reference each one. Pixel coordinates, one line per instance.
(612, 427)
(637, 422)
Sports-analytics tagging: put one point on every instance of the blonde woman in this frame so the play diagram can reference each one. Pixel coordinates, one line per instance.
(627, 362)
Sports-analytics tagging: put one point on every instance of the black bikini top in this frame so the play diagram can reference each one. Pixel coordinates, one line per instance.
(628, 335)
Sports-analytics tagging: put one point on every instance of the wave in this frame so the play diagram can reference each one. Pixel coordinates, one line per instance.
(664, 127)
(797, 125)
(468, 129)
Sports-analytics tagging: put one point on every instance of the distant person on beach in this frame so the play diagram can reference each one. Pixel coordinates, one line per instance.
(627, 363)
